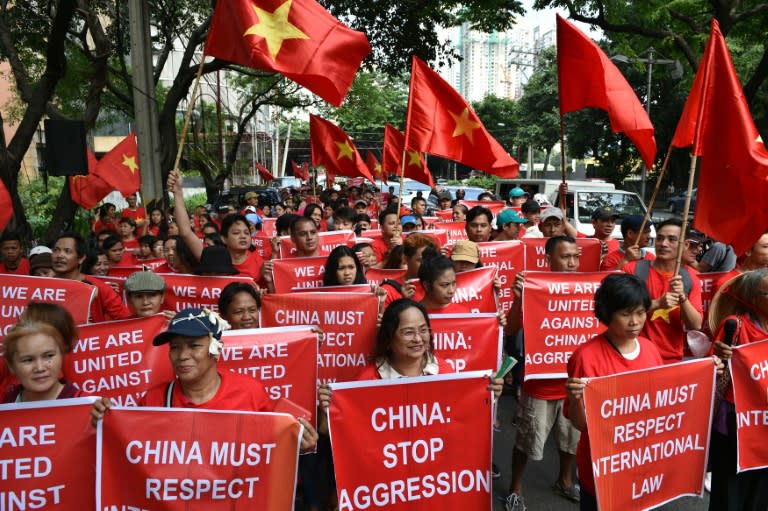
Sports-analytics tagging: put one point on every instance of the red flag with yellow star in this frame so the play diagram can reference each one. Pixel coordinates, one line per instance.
(332, 148)
(87, 191)
(120, 167)
(415, 167)
(441, 122)
(374, 166)
(297, 38)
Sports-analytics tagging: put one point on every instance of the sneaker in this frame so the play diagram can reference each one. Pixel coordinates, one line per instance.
(571, 493)
(514, 502)
(495, 472)
(708, 482)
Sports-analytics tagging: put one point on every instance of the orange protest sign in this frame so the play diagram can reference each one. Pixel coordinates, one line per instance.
(412, 435)
(116, 359)
(16, 291)
(468, 342)
(644, 426)
(508, 257)
(284, 360)
(749, 375)
(48, 453)
(328, 241)
(184, 291)
(172, 458)
(348, 321)
(535, 257)
(298, 272)
(558, 316)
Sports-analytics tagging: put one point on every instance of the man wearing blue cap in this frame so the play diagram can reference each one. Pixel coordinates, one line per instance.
(517, 197)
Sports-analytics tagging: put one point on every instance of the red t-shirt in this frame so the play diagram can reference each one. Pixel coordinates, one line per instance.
(237, 392)
(597, 357)
(665, 326)
(611, 261)
(107, 305)
(393, 294)
(251, 267)
(99, 226)
(547, 390)
(131, 244)
(370, 372)
(138, 215)
(22, 269)
(380, 248)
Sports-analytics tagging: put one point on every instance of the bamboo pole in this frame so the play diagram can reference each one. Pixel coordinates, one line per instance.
(681, 245)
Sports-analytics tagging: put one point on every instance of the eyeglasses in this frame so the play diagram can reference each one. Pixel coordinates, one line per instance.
(410, 334)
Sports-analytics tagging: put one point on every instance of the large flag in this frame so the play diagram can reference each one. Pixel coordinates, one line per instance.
(392, 158)
(297, 38)
(120, 167)
(586, 78)
(734, 161)
(265, 174)
(441, 122)
(87, 191)
(334, 149)
(374, 166)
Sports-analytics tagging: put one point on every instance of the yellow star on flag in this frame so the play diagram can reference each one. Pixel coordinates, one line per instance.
(275, 28)
(464, 125)
(413, 158)
(345, 150)
(663, 314)
(377, 168)
(130, 162)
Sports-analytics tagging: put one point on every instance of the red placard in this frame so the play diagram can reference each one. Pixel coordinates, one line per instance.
(444, 215)
(182, 291)
(474, 292)
(269, 227)
(440, 236)
(402, 444)
(262, 245)
(495, 206)
(124, 271)
(431, 221)
(558, 316)
(16, 291)
(328, 241)
(181, 459)
(378, 275)
(535, 258)
(352, 288)
(469, 342)
(749, 375)
(298, 273)
(508, 257)
(457, 231)
(708, 281)
(348, 321)
(116, 359)
(284, 360)
(153, 263)
(48, 449)
(649, 432)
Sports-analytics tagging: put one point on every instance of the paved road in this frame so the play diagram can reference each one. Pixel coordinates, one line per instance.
(540, 475)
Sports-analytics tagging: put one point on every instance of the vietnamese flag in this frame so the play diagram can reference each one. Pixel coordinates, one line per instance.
(586, 78)
(441, 122)
(297, 38)
(265, 174)
(734, 161)
(300, 171)
(333, 148)
(373, 165)
(89, 190)
(392, 159)
(120, 167)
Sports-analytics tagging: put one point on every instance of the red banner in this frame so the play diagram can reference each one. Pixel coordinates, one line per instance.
(445, 215)
(125, 271)
(535, 258)
(649, 432)
(558, 316)
(328, 241)
(117, 360)
(348, 321)
(48, 453)
(352, 288)
(508, 257)
(182, 291)
(469, 342)
(495, 206)
(749, 375)
(298, 272)
(378, 275)
(284, 360)
(440, 236)
(457, 231)
(180, 459)
(16, 291)
(262, 245)
(708, 281)
(401, 445)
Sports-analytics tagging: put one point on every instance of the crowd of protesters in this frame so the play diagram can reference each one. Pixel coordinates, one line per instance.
(222, 242)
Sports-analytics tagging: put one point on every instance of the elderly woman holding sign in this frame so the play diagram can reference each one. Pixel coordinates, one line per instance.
(194, 336)
(738, 315)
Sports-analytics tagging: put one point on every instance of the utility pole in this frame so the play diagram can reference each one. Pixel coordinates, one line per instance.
(144, 105)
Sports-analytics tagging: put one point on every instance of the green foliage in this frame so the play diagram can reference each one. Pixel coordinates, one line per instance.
(487, 182)
(537, 111)
(499, 116)
(40, 204)
(195, 200)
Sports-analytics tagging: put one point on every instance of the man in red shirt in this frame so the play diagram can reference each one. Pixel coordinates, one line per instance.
(13, 254)
(675, 299)
(604, 221)
(137, 214)
(391, 231)
(634, 244)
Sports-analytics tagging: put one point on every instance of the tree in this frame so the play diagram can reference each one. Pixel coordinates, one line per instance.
(499, 116)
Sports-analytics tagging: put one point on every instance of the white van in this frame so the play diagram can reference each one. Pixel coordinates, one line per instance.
(582, 199)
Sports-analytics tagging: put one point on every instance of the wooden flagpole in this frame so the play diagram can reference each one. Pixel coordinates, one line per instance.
(188, 115)
(686, 209)
(662, 172)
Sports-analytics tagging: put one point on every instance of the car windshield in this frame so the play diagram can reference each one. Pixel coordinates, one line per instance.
(621, 203)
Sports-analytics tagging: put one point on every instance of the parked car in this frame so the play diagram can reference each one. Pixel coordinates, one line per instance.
(676, 203)
(236, 196)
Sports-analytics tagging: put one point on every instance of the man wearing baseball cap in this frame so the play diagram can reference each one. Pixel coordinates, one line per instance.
(604, 222)
(508, 224)
(517, 197)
